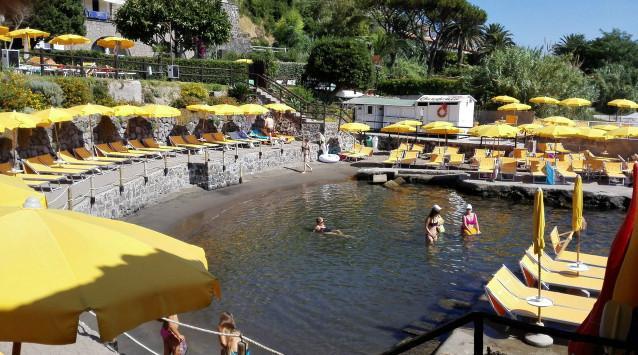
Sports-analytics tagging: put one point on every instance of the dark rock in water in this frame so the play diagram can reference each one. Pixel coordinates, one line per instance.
(399, 180)
(392, 185)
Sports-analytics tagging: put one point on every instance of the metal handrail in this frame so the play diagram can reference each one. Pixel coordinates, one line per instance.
(479, 318)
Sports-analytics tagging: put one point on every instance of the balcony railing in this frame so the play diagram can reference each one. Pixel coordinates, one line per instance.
(97, 15)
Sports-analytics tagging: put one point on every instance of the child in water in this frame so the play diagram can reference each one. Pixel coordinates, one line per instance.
(470, 225)
(320, 227)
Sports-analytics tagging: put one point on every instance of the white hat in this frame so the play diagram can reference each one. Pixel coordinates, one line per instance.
(468, 207)
(436, 208)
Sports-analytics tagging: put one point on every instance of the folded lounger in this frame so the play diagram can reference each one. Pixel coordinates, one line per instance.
(559, 247)
(552, 279)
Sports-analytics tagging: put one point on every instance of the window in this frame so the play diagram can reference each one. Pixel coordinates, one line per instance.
(96, 5)
(369, 110)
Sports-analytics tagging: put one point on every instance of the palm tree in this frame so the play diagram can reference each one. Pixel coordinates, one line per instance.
(495, 36)
(466, 32)
(573, 44)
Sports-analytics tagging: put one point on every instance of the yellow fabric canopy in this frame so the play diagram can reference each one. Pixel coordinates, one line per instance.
(354, 127)
(4, 30)
(396, 128)
(544, 100)
(69, 39)
(504, 99)
(226, 110)
(200, 108)
(623, 132)
(113, 42)
(13, 120)
(556, 132)
(159, 111)
(4, 38)
(591, 133)
(15, 192)
(538, 225)
(606, 127)
(413, 123)
(577, 205)
(559, 120)
(494, 131)
(445, 130)
(27, 33)
(622, 103)
(253, 109)
(244, 60)
(529, 128)
(91, 109)
(126, 111)
(280, 107)
(64, 263)
(514, 107)
(575, 102)
(437, 124)
(55, 115)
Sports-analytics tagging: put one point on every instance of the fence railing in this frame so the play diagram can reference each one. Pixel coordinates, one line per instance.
(479, 318)
(60, 63)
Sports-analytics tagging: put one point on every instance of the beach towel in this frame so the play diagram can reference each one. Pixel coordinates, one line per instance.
(551, 174)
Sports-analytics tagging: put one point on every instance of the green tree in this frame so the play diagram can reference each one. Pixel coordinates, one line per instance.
(495, 37)
(58, 17)
(338, 18)
(393, 21)
(344, 63)
(180, 24)
(466, 32)
(289, 31)
(615, 81)
(574, 44)
(611, 47)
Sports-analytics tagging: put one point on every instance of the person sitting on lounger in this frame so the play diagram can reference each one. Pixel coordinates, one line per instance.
(320, 227)
(433, 224)
(470, 224)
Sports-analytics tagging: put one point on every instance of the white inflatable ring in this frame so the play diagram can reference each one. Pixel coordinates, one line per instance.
(329, 158)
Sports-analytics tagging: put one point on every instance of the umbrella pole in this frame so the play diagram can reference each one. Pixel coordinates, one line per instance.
(16, 348)
(539, 284)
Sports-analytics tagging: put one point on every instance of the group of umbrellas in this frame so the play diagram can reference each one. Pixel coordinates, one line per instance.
(232, 110)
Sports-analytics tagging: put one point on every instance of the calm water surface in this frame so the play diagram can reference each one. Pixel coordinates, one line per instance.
(304, 293)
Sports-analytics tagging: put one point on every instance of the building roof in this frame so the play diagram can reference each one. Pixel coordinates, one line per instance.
(379, 100)
(445, 98)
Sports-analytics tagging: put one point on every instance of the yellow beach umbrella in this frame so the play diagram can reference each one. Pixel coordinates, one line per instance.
(396, 128)
(622, 103)
(529, 128)
(437, 124)
(556, 132)
(538, 237)
(226, 110)
(504, 99)
(515, 106)
(606, 127)
(159, 111)
(200, 108)
(494, 131)
(445, 130)
(70, 262)
(253, 109)
(591, 133)
(69, 40)
(27, 34)
(544, 100)
(577, 213)
(244, 60)
(623, 132)
(354, 127)
(4, 30)
(4, 38)
(280, 107)
(575, 102)
(15, 192)
(115, 42)
(559, 120)
(55, 115)
(91, 109)
(13, 120)
(413, 123)
(126, 111)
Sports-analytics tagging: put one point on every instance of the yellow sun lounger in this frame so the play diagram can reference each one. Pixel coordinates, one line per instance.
(47, 160)
(69, 158)
(107, 151)
(559, 247)
(562, 267)
(178, 141)
(39, 168)
(137, 145)
(409, 157)
(613, 171)
(486, 166)
(152, 143)
(520, 290)
(191, 139)
(5, 169)
(537, 169)
(456, 160)
(84, 154)
(121, 148)
(508, 166)
(552, 279)
(395, 157)
(436, 161)
(506, 303)
(565, 171)
(364, 152)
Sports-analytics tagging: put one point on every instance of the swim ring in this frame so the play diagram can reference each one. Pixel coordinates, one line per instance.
(329, 158)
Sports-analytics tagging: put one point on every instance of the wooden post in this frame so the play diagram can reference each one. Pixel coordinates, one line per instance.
(16, 349)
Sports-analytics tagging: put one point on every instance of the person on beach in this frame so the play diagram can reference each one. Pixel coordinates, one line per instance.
(269, 125)
(174, 342)
(320, 227)
(433, 224)
(470, 224)
(305, 150)
(229, 344)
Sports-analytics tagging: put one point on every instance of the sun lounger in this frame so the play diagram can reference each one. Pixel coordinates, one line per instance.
(48, 160)
(69, 158)
(552, 279)
(479, 154)
(356, 149)
(106, 151)
(364, 152)
(152, 143)
(613, 171)
(436, 161)
(497, 153)
(121, 148)
(629, 168)
(255, 133)
(562, 267)
(520, 154)
(409, 158)
(547, 148)
(559, 247)
(395, 157)
(178, 141)
(84, 154)
(564, 170)
(35, 167)
(137, 145)
(505, 303)
(456, 160)
(559, 148)
(537, 169)
(578, 166)
(508, 166)
(486, 166)
(5, 169)
(417, 147)
(522, 291)
(191, 139)
(215, 138)
(236, 136)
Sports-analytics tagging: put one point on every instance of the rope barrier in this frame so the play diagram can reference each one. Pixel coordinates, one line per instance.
(139, 343)
(63, 193)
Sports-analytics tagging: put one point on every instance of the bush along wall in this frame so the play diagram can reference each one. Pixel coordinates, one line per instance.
(434, 86)
(290, 71)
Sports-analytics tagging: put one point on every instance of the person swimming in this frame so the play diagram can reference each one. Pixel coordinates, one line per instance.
(320, 227)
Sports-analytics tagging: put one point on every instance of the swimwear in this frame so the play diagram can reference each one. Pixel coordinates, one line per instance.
(165, 333)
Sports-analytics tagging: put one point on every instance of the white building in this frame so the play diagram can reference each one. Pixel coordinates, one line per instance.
(378, 112)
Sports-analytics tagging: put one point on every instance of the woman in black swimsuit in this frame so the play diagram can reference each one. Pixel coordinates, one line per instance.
(432, 223)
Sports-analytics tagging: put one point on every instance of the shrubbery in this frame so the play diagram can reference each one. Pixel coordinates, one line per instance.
(240, 92)
(432, 85)
(76, 90)
(50, 91)
(191, 93)
(16, 95)
(100, 93)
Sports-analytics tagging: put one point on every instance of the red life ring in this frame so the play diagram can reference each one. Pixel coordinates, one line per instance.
(442, 111)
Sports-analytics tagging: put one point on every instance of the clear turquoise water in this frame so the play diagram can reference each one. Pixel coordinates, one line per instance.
(304, 293)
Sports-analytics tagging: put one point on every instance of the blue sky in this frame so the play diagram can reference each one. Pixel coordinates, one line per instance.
(536, 23)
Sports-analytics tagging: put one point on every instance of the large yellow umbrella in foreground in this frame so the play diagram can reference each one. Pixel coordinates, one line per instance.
(27, 34)
(504, 99)
(15, 192)
(64, 263)
(544, 100)
(280, 107)
(559, 120)
(623, 132)
(4, 38)
(4, 30)
(159, 111)
(253, 109)
(354, 127)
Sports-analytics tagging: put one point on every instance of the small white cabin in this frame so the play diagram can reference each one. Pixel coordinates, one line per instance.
(378, 112)
(458, 109)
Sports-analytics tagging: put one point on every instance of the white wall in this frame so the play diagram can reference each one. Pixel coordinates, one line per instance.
(460, 114)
